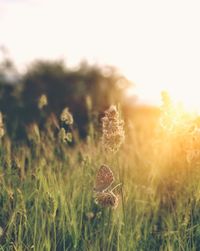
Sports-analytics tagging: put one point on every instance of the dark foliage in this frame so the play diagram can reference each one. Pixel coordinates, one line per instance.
(63, 87)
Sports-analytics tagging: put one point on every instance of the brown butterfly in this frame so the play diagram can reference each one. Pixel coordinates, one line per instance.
(104, 179)
(104, 196)
(107, 199)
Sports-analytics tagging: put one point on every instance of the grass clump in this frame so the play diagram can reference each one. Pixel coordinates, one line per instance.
(46, 188)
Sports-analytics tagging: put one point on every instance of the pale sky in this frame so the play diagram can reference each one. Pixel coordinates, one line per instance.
(155, 43)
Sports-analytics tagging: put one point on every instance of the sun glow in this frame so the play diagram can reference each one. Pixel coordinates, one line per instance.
(190, 102)
(187, 96)
(154, 51)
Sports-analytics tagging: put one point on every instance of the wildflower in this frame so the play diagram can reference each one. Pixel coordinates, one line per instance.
(2, 131)
(66, 117)
(113, 132)
(42, 102)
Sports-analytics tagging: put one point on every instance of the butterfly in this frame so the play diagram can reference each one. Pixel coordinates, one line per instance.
(104, 179)
(104, 196)
(107, 199)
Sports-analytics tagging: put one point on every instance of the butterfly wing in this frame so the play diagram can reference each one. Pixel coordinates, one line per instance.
(107, 199)
(104, 179)
(117, 189)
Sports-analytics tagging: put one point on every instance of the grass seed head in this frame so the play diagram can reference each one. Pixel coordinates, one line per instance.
(66, 117)
(42, 102)
(65, 136)
(2, 130)
(113, 131)
(62, 135)
(1, 231)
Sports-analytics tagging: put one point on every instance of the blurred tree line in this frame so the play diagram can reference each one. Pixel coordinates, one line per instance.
(76, 88)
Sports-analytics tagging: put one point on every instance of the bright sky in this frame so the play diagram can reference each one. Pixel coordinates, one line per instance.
(156, 43)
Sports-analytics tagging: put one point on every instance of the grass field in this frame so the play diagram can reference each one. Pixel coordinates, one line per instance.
(47, 200)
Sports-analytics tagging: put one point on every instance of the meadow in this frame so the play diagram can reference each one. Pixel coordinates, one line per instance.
(47, 197)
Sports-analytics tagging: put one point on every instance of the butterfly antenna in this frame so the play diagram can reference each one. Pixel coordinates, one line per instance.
(116, 187)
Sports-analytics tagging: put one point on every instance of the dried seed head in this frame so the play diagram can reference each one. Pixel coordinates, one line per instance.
(42, 102)
(2, 130)
(33, 133)
(66, 117)
(63, 136)
(113, 131)
(88, 103)
(1, 118)
(69, 136)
